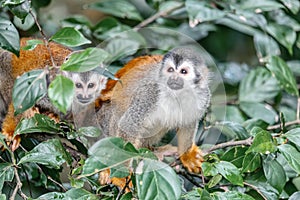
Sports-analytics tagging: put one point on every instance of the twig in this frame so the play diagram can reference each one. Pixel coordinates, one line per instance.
(155, 16)
(286, 124)
(54, 181)
(187, 175)
(43, 35)
(18, 186)
(247, 142)
(256, 189)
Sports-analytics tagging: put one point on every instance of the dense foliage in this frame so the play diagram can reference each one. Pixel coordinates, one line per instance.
(256, 48)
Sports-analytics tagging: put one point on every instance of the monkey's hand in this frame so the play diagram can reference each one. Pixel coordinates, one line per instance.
(104, 178)
(192, 159)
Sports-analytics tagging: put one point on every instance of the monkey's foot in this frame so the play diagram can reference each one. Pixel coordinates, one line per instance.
(104, 179)
(192, 159)
(167, 150)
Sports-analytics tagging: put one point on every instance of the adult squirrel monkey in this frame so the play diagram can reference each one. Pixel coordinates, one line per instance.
(88, 84)
(171, 93)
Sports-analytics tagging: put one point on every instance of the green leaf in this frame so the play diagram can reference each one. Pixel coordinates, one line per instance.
(292, 5)
(9, 36)
(251, 123)
(265, 47)
(118, 8)
(232, 130)
(230, 195)
(50, 153)
(274, 173)
(89, 131)
(230, 172)
(20, 10)
(214, 181)
(295, 196)
(259, 111)
(29, 88)
(283, 74)
(259, 6)
(291, 155)
(11, 2)
(86, 60)
(31, 44)
(251, 162)
(294, 66)
(264, 188)
(6, 173)
(92, 166)
(258, 86)
(235, 155)
(37, 124)
(72, 194)
(70, 37)
(156, 180)
(262, 143)
(285, 35)
(201, 12)
(61, 93)
(293, 136)
(208, 169)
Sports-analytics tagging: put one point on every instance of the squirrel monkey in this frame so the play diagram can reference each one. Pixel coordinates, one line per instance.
(151, 99)
(11, 66)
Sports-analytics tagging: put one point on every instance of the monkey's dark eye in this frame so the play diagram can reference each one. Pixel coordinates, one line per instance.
(78, 85)
(183, 71)
(170, 69)
(91, 85)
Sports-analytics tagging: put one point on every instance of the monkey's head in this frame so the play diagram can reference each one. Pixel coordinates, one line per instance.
(88, 85)
(183, 68)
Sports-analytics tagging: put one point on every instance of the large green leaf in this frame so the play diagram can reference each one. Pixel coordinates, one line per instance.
(230, 195)
(259, 6)
(118, 8)
(291, 155)
(37, 124)
(295, 196)
(262, 143)
(232, 130)
(258, 86)
(251, 162)
(235, 155)
(157, 180)
(230, 172)
(6, 173)
(285, 35)
(29, 88)
(20, 10)
(92, 166)
(283, 74)
(259, 111)
(201, 12)
(31, 44)
(86, 60)
(9, 36)
(293, 136)
(70, 37)
(265, 47)
(61, 93)
(51, 153)
(265, 189)
(274, 173)
(293, 5)
(11, 2)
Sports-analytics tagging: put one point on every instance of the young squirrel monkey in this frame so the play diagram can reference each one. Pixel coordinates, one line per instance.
(11, 66)
(151, 99)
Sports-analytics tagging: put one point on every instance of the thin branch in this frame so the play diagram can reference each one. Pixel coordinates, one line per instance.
(57, 183)
(256, 189)
(155, 16)
(247, 142)
(286, 124)
(298, 110)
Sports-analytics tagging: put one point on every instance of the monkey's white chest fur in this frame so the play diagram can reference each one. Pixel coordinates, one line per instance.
(178, 109)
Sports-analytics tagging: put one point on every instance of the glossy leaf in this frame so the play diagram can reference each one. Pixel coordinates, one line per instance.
(50, 153)
(92, 166)
(295, 196)
(230, 195)
(9, 36)
(157, 180)
(283, 34)
(232, 130)
(235, 155)
(21, 10)
(291, 155)
(118, 8)
(214, 181)
(31, 44)
(274, 173)
(74, 194)
(29, 88)
(230, 172)
(266, 190)
(86, 60)
(89, 131)
(259, 111)
(70, 37)
(293, 5)
(258, 86)
(61, 93)
(259, 6)
(208, 169)
(6, 173)
(283, 74)
(37, 124)
(293, 136)
(251, 123)
(11, 2)
(251, 162)
(262, 143)
(265, 47)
